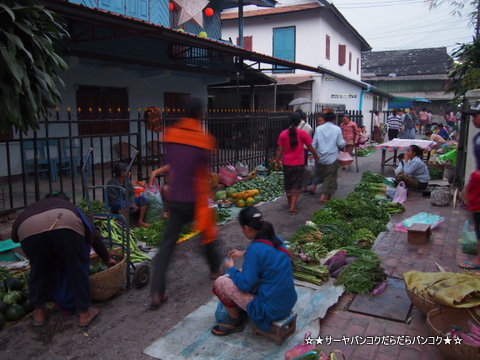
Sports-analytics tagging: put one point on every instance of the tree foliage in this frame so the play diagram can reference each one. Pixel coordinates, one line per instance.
(30, 39)
(465, 74)
(459, 7)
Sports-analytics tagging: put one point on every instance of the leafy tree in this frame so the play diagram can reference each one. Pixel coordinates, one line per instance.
(465, 74)
(30, 39)
(459, 7)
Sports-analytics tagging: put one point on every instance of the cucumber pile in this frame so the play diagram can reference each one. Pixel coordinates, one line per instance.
(269, 188)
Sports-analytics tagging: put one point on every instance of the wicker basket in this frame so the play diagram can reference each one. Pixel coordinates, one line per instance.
(439, 320)
(421, 304)
(106, 283)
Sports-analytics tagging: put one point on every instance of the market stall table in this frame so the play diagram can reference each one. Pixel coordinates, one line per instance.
(401, 144)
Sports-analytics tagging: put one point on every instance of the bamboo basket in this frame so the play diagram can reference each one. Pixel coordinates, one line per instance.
(440, 320)
(108, 282)
(422, 304)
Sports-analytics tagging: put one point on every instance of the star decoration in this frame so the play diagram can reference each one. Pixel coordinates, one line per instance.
(319, 341)
(309, 340)
(447, 340)
(458, 341)
(191, 10)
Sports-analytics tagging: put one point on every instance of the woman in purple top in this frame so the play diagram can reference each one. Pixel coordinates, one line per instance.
(290, 145)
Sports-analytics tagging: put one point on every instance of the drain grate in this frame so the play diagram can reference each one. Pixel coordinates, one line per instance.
(392, 304)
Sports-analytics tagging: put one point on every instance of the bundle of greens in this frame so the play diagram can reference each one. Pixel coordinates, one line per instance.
(366, 151)
(153, 235)
(363, 275)
(307, 244)
(313, 274)
(98, 207)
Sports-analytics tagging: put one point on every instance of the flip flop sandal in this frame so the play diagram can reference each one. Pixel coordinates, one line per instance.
(227, 329)
(94, 312)
(469, 266)
(155, 307)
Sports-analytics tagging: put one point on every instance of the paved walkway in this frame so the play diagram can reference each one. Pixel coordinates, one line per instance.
(399, 256)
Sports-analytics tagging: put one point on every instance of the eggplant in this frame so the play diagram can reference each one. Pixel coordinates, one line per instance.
(335, 264)
(380, 288)
(338, 271)
(341, 253)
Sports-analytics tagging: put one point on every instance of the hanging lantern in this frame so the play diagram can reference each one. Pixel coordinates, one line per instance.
(209, 11)
(171, 6)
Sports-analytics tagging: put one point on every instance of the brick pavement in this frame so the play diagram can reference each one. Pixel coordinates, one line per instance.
(399, 256)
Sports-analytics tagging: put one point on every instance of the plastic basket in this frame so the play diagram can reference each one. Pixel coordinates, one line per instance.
(442, 319)
(107, 283)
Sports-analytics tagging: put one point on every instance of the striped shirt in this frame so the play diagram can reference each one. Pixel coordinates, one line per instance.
(394, 122)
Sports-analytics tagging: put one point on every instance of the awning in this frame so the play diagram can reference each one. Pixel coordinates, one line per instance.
(405, 99)
(292, 80)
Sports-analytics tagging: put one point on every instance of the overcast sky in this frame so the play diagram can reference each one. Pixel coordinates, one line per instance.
(406, 24)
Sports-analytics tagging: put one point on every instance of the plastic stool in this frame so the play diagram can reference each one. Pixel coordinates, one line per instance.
(280, 329)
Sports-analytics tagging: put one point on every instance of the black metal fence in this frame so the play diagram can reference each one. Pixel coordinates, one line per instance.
(50, 159)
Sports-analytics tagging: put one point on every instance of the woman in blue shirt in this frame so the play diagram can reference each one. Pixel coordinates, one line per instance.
(264, 287)
(415, 172)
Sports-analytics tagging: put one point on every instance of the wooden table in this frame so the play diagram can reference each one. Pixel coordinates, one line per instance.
(401, 144)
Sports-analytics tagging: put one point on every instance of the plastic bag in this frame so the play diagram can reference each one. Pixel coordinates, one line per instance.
(242, 168)
(421, 218)
(344, 158)
(155, 205)
(300, 349)
(227, 175)
(221, 314)
(469, 240)
(400, 193)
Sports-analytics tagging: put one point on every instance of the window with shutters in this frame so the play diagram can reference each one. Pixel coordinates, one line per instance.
(327, 47)
(349, 61)
(284, 47)
(342, 54)
(247, 42)
(358, 66)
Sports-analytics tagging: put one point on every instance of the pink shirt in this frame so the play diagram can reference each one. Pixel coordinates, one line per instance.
(350, 131)
(294, 157)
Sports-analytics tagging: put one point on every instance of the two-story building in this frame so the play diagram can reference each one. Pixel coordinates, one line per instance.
(308, 32)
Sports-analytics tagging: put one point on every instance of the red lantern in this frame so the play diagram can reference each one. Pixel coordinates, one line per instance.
(209, 11)
(170, 6)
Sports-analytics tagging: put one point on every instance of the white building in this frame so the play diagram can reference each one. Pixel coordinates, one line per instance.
(313, 33)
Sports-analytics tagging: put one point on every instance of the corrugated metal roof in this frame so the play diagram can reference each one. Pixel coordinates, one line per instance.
(292, 80)
(273, 11)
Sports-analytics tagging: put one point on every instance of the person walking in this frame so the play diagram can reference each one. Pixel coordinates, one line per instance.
(377, 124)
(472, 190)
(394, 124)
(188, 149)
(290, 145)
(350, 133)
(423, 119)
(409, 122)
(327, 141)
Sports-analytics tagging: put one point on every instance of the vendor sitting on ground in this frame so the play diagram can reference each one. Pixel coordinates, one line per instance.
(442, 131)
(415, 175)
(264, 288)
(439, 141)
(116, 197)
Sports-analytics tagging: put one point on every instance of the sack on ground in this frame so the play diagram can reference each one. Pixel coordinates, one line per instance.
(155, 205)
(469, 240)
(227, 175)
(440, 196)
(400, 193)
(459, 290)
(242, 168)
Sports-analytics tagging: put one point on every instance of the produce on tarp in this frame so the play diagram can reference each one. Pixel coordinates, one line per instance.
(362, 275)
(257, 189)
